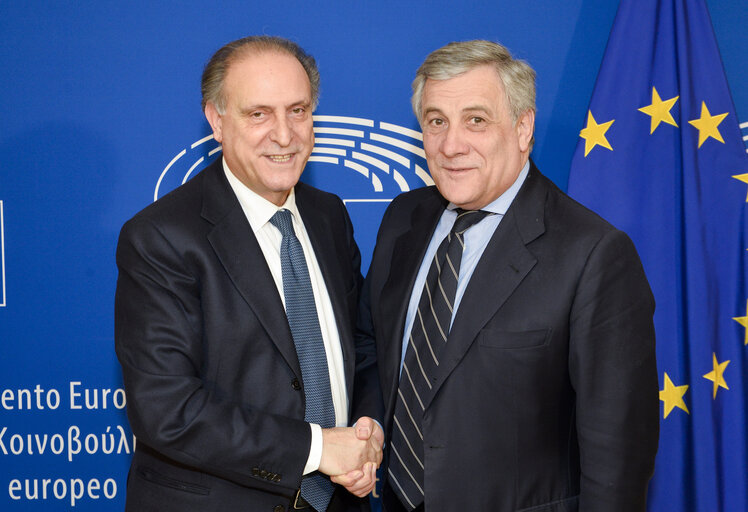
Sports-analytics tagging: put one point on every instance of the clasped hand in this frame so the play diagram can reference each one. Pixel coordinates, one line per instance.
(351, 455)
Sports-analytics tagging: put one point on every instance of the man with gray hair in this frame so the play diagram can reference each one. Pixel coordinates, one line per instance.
(235, 312)
(514, 332)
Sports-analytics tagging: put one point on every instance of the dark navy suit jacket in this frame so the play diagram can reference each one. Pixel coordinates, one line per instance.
(546, 398)
(214, 388)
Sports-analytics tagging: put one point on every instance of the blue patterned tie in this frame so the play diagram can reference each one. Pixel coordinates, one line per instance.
(310, 349)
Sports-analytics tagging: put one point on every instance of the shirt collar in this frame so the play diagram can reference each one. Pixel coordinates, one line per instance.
(257, 209)
(501, 204)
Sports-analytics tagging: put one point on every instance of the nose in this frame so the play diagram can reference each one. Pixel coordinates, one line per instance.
(453, 142)
(282, 132)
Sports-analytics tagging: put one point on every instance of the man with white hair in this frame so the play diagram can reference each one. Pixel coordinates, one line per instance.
(514, 332)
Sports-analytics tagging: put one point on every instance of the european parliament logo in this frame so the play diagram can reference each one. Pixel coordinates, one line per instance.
(2, 257)
(364, 162)
(360, 160)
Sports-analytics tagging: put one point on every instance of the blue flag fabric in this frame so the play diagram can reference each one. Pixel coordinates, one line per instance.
(661, 157)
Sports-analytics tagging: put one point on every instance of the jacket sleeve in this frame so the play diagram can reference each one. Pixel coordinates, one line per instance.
(613, 371)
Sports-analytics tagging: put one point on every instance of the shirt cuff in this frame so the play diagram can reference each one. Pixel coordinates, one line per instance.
(315, 450)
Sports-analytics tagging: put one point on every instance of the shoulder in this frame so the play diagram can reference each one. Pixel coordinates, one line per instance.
(179, 210)
(564, 223)
(316, 202)
(561, 212)
(421, 199)
(423, 195)
(307, 194)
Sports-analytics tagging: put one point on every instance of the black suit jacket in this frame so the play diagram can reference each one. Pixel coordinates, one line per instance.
(212, 379)
(547, 398)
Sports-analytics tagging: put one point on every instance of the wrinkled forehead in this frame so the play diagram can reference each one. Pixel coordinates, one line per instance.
(480, 88)
(267, 74)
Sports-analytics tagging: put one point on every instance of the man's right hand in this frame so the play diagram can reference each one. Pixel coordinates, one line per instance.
(343, 451)
(361, 482)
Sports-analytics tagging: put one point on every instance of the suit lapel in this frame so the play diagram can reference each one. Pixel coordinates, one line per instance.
(237, 248)
(408, 251)
(502, 267)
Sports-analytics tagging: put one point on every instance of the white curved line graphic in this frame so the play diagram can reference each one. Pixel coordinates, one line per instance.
(187, 175)
(356, 167)
(204, 139)
(329, 151)
(340, 131)
(160, 178)
(401, 130)
(324, 159)
(425, 177)
(345, 120)
(334, 142)
(387, 154)
(371, 160)
(376, 182)
(400, 181)
(398, 143)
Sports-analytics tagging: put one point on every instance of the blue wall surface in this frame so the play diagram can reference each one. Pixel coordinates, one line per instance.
(100, 104)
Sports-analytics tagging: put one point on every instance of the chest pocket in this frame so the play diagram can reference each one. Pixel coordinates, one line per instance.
(495, 338)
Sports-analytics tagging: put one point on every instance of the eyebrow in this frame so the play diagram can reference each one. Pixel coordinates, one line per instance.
(477, 108)
(430, 110)
(469, 109)
(251, 108)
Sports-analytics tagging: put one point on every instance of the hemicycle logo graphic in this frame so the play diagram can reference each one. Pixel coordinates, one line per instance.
(361, 160)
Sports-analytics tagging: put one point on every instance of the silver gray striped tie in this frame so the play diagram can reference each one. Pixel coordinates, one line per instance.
(427, 337)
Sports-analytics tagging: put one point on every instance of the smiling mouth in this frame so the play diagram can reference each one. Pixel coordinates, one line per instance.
(279, 159)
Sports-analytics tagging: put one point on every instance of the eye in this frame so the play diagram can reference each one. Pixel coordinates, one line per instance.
(476, 121)
(436, 122)
(257, 115)
(298, 110)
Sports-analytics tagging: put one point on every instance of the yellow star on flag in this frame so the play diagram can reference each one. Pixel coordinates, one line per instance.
(707, 125)
(717, 374)
(743, 320)
(659, 111)
(744, 179)
(594, 134)
(672, 396)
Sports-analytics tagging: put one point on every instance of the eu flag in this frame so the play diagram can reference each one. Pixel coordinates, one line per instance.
(661, 157)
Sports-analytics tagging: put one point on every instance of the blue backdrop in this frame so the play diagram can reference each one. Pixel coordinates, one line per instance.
(100, 104)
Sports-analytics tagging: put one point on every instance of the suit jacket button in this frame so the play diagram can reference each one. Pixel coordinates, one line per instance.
(296, 384)
(263, 473)
(255, 471)
(279, 508)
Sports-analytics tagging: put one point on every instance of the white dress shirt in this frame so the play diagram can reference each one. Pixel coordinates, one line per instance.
(259, 211)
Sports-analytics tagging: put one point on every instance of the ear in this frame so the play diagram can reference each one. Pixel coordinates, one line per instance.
(215, 119)
(525, 128)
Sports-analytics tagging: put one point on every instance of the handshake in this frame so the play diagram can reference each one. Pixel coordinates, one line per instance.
(351, 455)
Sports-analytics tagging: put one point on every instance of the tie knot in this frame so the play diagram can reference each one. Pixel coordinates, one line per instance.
(466, 218)
(284, 222)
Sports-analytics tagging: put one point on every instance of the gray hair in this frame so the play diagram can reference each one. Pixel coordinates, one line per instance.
(215, 70)
(457, 58)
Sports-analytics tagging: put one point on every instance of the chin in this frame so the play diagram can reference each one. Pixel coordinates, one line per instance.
(460, 199)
